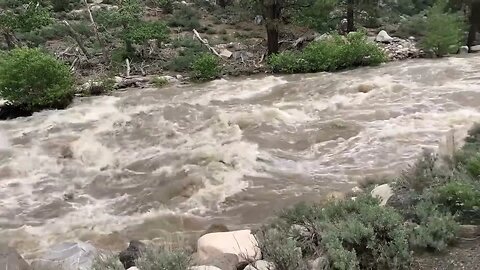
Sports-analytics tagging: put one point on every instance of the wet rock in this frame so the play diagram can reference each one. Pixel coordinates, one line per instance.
(365, 87)
(241, 243)
(67, 256)
(66, 152)
(258, 19)
(261, 265)
(383, 37)
(382, 192)
(463, 50)
(320, 263)
(129, 256)
(69, 196)
(10, 259)
(475, 48)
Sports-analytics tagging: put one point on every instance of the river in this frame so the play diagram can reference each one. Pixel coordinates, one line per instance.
(149, 163)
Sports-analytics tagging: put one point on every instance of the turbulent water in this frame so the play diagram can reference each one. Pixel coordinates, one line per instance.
(147, 163)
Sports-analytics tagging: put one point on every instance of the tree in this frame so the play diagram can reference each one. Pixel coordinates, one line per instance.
(22, 16)
(474, 22)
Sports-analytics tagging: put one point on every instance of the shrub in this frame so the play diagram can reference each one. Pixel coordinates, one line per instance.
(165, 5)
(34, 80)
(350, 233)
(144, 31)
(64, 5)
(107, 262)
(331, 54)
(163, 258)
(413, 26)
(461, 198)
(186, 18)
(435, 229)
(159, 82)
(444, 31)
(205, 67)
(280, 250)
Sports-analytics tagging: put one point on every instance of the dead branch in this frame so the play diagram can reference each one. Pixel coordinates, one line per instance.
(77, 38)
(95, 29)
(205, 42)
(72, 67)
(127, 62)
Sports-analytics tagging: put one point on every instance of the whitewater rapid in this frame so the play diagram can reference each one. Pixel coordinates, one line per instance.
(145, 163)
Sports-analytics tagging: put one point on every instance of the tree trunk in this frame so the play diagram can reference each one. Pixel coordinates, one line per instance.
(272, 11)
(350, 16)
(474, 21)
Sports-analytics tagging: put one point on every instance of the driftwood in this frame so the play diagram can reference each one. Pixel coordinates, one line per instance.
(97, 34)
(77, 39)
(127, 62)
(205, 42)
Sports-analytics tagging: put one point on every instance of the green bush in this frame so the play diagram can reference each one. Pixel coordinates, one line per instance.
(444, 31)
(460, 198)
(350, 233)
(332, 54)
(186, 18)
(165, 5)
(435, 230)
(107, 262)
(163, 258)
(206, 67)
(144, 31)
(64, 5)
(280, 250)
(414, 26)
(34, 80)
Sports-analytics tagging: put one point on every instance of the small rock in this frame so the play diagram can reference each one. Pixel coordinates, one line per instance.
(179, 77)
(11, 259)
(382, 192)
(357, 190)
(241, 243)
(383, 37)
(129, 256)
(225, 53)
(68, 196)
(463, 50)
(411, 38)
(258, 19)
(261, 265)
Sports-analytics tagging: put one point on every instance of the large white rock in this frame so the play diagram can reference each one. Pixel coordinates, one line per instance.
(67, 256)
(133, 268)
(261, 265)
(204, 267)
(475, 48)
(382, 192)
(463, 50)
(383, 37)
(241, 243)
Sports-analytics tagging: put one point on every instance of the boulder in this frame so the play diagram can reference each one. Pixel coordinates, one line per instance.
(463, 50)
(365, 87)
(204, 267)
(260, 265)
(129, 256)
(133, 268)
(225, 261)
(475, 48)
(67, 256)
(10, 259)
(241, 243)
(258, 19)
(383, 37)
(382, 192)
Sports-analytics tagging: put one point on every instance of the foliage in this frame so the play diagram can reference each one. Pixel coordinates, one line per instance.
(159, 82)
(165, 5)
(163, 258)
(144, 31)
(205, 67)
(185, 17)
(333, 53)
(435, 230)
(107, 262)
(25, 18)
(444, 31)
(33, 80)
(350, 233)
(191, 49)
(64, 5)
(414, 26)
(280, 250)
(318, 15)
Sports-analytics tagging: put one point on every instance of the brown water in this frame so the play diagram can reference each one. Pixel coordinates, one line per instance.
(146, 163)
